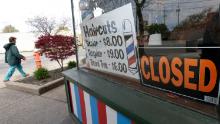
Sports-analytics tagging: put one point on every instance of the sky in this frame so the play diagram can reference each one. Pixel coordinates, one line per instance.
(16, 12)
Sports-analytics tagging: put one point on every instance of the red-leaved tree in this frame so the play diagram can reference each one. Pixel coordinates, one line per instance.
(57, 47)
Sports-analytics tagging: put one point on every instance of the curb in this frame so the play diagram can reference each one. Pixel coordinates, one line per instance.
(34, 89)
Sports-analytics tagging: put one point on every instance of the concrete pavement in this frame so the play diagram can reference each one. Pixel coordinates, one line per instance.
(22, 108)
(2, 85)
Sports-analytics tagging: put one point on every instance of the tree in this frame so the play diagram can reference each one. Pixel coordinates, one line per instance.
(62, 26)
(197, 20)
(9, 29)
(159, 28)
(139, 6)
(46, 26)
(57, 47)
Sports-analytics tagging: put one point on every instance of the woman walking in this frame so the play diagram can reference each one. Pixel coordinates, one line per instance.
(13, 58)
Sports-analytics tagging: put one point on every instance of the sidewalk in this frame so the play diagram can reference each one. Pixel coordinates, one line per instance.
(22, 108)
(29, 64)
(2, 85)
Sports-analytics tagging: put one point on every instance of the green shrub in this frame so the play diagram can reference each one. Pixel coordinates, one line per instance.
(41, 73)
(158, 28)
(71, 64)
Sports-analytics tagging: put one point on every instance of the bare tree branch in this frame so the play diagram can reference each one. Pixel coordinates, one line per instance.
(42, 25)
(63, 26)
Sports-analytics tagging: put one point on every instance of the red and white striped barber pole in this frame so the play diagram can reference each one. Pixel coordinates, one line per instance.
(130, 46)
(89, 110)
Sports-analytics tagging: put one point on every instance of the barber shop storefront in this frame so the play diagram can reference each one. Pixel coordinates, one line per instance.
(158, 67)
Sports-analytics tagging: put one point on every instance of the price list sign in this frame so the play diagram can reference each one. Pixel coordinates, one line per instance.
(110, 42)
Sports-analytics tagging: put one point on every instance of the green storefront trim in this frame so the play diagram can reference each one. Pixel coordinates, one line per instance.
(138, 106)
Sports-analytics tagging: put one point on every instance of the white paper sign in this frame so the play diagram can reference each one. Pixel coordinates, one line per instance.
(110, 41)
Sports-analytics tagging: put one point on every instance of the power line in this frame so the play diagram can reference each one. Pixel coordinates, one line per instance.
(182, 8)
(186, 2)
(182, 3)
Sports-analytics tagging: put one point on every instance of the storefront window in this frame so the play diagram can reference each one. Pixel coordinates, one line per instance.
(177, 48)
(183, 22)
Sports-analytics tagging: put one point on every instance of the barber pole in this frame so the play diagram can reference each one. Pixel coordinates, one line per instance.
(130, 46)
(90, 110)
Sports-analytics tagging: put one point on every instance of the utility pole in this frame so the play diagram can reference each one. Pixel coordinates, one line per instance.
(74, 34)
(164, 15)
(158, 11)
(178, 11)
(219, 10)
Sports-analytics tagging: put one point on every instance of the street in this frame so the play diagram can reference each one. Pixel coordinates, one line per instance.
(18, 107)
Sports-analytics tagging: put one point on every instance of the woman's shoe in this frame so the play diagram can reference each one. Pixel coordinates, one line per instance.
(5, 80)
(27, 75)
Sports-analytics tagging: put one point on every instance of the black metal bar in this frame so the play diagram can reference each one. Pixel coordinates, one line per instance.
(74, 33)
(66, 83)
